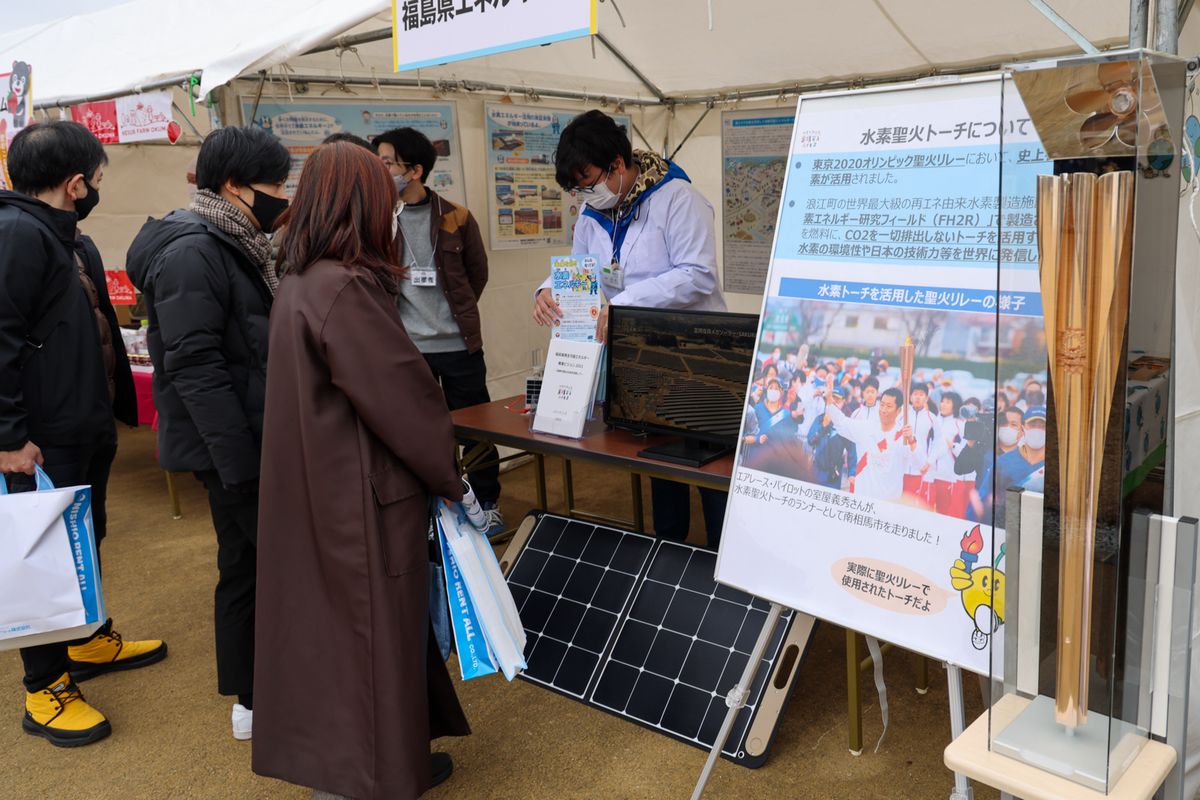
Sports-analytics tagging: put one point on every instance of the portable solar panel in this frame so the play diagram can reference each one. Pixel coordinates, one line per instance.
(638, 627)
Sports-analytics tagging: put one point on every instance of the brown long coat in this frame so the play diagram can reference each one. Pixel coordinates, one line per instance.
(348, 691)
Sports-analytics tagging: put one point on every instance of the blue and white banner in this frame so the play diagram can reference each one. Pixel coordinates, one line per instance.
(426, 33)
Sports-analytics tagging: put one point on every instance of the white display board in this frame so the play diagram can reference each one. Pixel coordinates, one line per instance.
(889, 228)
(426, 33)
(526, 206)
(754, 150)
(303, 124)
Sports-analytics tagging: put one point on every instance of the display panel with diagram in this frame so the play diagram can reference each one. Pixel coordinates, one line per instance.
(526, 206)
(1104, 222)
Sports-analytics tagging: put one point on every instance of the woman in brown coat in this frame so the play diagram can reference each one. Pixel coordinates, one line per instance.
(349, 689)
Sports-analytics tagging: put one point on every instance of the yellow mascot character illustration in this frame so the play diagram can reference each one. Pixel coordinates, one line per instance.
(982, 588)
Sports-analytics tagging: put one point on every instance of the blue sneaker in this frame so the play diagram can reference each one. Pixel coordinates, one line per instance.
(493, 520)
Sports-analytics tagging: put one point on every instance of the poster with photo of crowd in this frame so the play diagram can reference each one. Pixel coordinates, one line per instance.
(861, 491)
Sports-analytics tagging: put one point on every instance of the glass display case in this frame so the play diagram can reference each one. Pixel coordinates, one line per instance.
(1087, 224)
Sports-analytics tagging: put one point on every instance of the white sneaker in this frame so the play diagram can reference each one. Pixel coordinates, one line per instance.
(243, 719)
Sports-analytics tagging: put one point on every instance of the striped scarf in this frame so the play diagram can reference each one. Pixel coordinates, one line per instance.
(227, 218)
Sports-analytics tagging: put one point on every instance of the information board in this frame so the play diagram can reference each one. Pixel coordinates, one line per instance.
(888, 231)
(303, 124)
(526, 206)
(754, 150)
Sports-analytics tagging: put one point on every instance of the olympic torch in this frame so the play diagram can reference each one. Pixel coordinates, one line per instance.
(1084, 240)
(906, 369)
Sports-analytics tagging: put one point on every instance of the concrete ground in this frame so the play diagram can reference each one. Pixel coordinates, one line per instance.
(172, 737)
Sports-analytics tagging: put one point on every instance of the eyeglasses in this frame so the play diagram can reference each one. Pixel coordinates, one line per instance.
(389, 163)
(591, 188)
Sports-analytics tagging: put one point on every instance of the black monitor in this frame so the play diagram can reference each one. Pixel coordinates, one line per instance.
(681, 373)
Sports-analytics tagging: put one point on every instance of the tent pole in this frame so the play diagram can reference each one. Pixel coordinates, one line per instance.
(637, 73)
(1166, 26)
(1185, 8)
(262, 79)
(1064, 26)
(688, 135)
(471, 86)
(167, 83)
(1139, 20)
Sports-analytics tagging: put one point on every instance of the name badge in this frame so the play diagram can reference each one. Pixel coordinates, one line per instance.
(423, 277)
(613, 276)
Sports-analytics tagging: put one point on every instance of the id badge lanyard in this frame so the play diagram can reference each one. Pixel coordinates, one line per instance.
(613, 276)
(418, 275)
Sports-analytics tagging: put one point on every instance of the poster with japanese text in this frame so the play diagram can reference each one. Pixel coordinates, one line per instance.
(15, 112)
(847, 502)
(575, 284)
(526, 206)
(303, 124)
(754, 150)
(426, 33)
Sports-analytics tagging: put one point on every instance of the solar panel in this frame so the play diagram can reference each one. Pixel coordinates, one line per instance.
(638, 627)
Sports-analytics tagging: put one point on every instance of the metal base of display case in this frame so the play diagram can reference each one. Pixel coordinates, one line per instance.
(1080, 755)
(969, 754)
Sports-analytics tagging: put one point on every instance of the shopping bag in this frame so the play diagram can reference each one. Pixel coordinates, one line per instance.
(474, 659)
(495, 610)
(49, 572)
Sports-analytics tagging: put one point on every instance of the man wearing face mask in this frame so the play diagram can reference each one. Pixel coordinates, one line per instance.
(208, 279)
(1024, 466)
(59, 393)
(654, 234)
(441, 248)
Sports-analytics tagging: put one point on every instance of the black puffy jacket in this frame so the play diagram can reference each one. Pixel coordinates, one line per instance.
(208, 306)
(55, 395)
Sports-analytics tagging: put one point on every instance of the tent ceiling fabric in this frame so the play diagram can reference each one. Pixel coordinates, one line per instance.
(755, 43)
(758, 43)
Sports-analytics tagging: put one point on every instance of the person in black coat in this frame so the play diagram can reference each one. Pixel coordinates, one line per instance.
(63, 376)
(208, 278)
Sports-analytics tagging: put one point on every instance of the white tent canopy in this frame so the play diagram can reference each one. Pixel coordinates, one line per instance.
(754, 44)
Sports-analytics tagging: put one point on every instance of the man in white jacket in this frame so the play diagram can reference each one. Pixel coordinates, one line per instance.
(655, 236)
(886, 446)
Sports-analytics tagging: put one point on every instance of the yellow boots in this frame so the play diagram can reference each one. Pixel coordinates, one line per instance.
(106, 651)
(59, 713)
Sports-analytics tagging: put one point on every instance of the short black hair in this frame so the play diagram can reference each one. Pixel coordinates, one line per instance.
(869, 382)
(591, 139)
(918, 387)
(412, 147)
(242, 155)
(347, 136)
(45, 154)
(896, 395)
(953, 397)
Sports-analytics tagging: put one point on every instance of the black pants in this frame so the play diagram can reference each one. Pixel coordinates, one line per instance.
(672, 505)
(463, 377)
(67, 466)
(235, 519)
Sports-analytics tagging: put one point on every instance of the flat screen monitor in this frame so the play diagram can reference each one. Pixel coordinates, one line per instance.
(680, 373)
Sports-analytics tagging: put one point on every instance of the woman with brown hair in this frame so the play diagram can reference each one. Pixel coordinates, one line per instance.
(349, 687)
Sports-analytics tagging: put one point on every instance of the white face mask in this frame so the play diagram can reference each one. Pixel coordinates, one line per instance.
(773, 395)
(603, 198)
(1008, 436)
(1035, 438)
(401, 182)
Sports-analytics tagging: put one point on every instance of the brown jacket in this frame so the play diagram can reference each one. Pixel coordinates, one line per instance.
(349, 690)
(461, 262)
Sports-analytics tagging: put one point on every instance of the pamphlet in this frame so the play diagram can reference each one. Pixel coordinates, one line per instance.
(568, 387)
(575, 285)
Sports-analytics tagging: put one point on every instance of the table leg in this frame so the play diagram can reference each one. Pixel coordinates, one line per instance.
(173, 493)
(639, 522)
(922, 674)
(568, 487)
(853, 696)
(539, 468)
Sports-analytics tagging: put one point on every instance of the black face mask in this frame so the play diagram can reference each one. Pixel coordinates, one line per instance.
(84, 205)
(266, 209)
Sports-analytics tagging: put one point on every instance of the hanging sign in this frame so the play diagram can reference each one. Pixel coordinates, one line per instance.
(857, 495)
(136, 118)
(430, 32)
(15, 112)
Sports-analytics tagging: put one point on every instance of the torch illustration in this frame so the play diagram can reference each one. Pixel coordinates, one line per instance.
(906, 370)
(972, 545)
(1084, 239)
